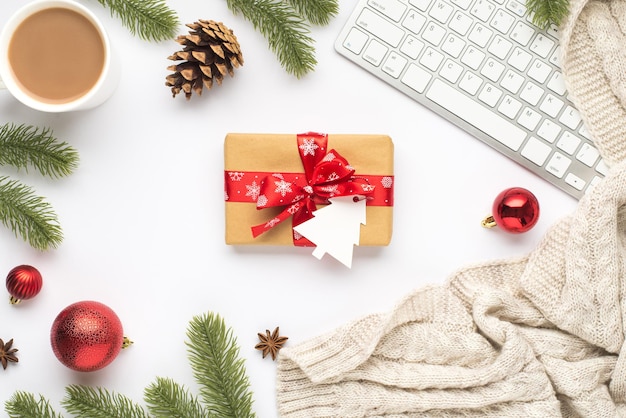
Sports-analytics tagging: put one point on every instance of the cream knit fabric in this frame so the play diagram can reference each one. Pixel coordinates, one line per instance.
(540, 336)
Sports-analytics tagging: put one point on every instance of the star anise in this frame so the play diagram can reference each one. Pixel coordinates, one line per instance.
(7, 353)
(271, 343)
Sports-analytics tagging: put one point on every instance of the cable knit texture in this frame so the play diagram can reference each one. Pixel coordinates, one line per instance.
(539, 336)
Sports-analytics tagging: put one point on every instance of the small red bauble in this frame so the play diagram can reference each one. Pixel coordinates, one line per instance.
(515, 210)
(23, 282)
(87, 336)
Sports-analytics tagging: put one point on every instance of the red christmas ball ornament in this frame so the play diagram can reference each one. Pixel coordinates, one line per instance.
(515, 210)
(23, 282)
(87, 336)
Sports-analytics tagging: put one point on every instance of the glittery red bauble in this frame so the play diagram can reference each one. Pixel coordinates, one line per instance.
(516, 210)
(23, 282)
(86, 336)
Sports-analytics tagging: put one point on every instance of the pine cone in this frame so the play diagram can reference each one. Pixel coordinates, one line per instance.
(210, 52)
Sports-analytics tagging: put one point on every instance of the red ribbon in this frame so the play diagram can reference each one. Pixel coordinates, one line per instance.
(326, 175)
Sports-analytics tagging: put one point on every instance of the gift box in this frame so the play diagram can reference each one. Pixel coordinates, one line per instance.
(276, 181)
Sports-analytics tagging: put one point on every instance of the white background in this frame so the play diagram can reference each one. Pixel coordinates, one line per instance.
(143, 215)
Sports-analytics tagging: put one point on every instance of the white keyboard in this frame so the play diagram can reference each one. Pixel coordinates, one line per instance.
(484, 66)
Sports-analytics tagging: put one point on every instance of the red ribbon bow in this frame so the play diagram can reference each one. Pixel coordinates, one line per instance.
(326, 175)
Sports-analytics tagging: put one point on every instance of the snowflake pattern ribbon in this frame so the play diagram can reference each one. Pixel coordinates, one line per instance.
(327, 174)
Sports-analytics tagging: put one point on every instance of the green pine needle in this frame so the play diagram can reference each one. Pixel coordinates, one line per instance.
(167, 399)
(285, 30)
(24, 146)
(151, 20)
(87, 402)
(28, 216)
(24, 405)
(547, 12)
(214, 358)
(318, 12)
(221, 374)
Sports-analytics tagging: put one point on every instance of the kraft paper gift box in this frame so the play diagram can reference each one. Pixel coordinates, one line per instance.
(251, 158)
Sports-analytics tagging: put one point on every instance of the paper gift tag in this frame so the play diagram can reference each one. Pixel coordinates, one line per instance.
(335, 229)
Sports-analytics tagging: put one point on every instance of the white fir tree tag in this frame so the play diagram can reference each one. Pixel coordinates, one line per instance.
(335, 229)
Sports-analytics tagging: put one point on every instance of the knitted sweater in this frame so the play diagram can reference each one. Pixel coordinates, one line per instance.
(539, 336)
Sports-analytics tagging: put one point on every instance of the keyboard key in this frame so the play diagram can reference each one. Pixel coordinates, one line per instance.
(375, 52)
(492, 69)
(412, 47)
(473, 57)
(470, 83)
(380, 27)
(568, 142)
(539, 71)
(542, 45)
(393, 9)
(490, 95)
(441, 11)
(522, 33)
(558, 165)
(551, 106)
(461, 23)
(482, 9)
(587, 155)
(414, 21)
(575, 181)
(463, 4)
(480, 35)
(512, 81)
(602, 168)
(431, 59)
(500, 47)
(450, 98)
(394, 64)
(420, 4)
(355, 41)
(529, 119)
(516, 7)
(570, 118)
(510, 107)
(520, 59)
(549, 130)
(531, 93)
(453, 45)
(502, 21)
(536, 151)
(451, 71)
(417, 78)
(556, 83)
(433, 33)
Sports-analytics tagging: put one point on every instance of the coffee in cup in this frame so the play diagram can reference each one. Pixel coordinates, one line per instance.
(55, 56)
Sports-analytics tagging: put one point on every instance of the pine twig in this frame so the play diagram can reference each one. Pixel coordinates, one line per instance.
(24, 146)
(24, 405)
(318, 12)
(166, 399)
(87, 402)
(149, 19)
(285, 30)
(547, 12)
(217, 367)
(28, 215)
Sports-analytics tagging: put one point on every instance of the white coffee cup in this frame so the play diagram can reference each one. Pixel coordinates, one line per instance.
(97, 87)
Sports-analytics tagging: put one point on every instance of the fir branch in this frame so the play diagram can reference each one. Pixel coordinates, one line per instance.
(25, 146)
(24, 405)
(87, 402)
(149, 19)
(221, 374)
(28, 215)
(547, 12)
(285, 30)
(166, 399)
(318, 12)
